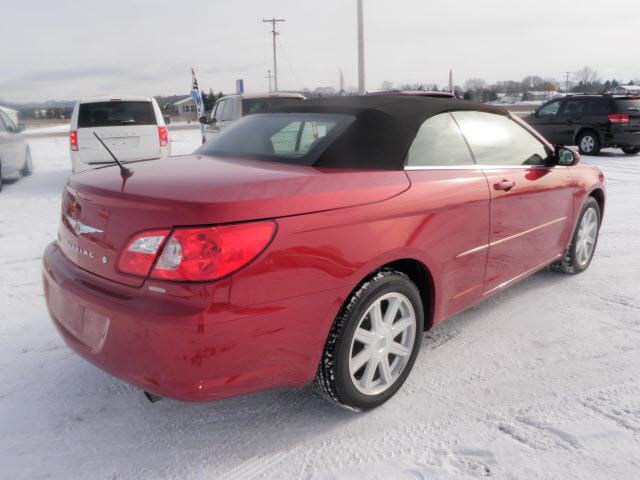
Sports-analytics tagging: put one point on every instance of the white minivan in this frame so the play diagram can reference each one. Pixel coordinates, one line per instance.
(132, 127)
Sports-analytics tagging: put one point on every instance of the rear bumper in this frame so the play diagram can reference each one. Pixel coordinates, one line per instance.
(185, 348)
(624, 138)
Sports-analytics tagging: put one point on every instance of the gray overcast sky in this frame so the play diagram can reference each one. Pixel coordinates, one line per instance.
(66, 49)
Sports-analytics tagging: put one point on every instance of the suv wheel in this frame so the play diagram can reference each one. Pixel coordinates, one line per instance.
(588, 143)
(373, 343)
(631, 150)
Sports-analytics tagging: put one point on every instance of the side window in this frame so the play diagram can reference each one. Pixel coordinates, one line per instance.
(217, 112)
(574, 107)
(439, 143)
(497, 140)
(229, 107)
(550, 109)
(599, 106)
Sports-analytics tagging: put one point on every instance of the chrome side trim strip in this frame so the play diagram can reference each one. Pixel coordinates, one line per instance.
(481, 167)
(473, 250)
(517, 235)
(524, 274)
(512, 237)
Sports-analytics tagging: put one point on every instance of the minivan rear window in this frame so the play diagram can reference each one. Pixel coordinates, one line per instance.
(259, 105)
(624, 105)
(115, 114)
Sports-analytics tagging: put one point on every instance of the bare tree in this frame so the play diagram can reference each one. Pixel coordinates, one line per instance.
(386, 85)
(474, 84)
(587, 77)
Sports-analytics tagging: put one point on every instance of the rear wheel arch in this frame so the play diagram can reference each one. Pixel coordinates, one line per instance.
(419, 274)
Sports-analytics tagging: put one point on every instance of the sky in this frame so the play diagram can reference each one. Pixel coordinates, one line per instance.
(64, 50)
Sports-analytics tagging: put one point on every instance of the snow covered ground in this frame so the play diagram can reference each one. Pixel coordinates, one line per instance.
(540, 381)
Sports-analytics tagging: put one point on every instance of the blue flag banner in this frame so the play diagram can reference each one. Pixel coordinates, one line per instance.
(197, 98)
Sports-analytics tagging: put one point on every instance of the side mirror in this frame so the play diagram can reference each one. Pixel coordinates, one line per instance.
(536, 113)
(566, 157)
(21, 127)
(203, 119)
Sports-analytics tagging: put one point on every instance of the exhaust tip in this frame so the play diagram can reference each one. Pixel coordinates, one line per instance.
(151, 397)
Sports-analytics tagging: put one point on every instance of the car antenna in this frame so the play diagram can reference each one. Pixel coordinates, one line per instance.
(124, 171)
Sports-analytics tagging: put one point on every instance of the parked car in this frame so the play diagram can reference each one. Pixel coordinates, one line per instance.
(132, 127)
(15, 155)
(314, 243)
(230, 108)
(591, 122)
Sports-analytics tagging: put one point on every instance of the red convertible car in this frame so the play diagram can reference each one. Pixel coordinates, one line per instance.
(312, 244)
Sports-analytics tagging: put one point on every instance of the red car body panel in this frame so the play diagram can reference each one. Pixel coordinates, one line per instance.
(266, 325)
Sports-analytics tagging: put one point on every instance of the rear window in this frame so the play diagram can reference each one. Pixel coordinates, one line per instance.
(624, 105)
(298, 138)
(260, 105)
(115, 114)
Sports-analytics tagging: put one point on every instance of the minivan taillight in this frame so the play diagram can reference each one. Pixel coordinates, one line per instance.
(619, 118)
(73, 140)
(163, 135)
(196, 254)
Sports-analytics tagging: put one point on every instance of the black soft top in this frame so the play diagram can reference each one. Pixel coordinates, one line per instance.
(385, 127)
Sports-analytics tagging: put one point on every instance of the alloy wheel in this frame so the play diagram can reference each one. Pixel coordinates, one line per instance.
(382, 344)
(587, 143)
(587, 236)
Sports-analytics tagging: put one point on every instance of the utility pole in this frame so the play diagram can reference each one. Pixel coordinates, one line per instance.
(269, 76)
(275, 33)
(361, 85)
(566, 82)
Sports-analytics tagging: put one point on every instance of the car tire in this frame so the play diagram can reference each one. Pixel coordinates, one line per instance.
(631, 150)
(370, 349)
(589, 143)
(579, 255)
(27, 169)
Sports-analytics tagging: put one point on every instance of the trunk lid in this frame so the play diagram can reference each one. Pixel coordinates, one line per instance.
(101, 211)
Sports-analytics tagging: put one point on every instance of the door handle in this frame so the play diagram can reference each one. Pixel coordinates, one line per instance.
(504, 184)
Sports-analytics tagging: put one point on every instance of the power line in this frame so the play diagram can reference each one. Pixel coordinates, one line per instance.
(361, 84)
(275, 33)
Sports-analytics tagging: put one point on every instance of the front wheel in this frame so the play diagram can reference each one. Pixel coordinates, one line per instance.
(588, 143)
(583, 245)
(373, 343)
(631, 150)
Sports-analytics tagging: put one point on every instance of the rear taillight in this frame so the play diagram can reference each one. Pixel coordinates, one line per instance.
(163, 135)
(73, 140)
(141, 251)
(619, 118)
(196, 254)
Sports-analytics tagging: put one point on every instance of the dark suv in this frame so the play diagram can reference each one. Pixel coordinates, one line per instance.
(591, 121)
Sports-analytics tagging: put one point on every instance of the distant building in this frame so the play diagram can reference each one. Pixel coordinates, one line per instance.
(186, 107)
(627, 90)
